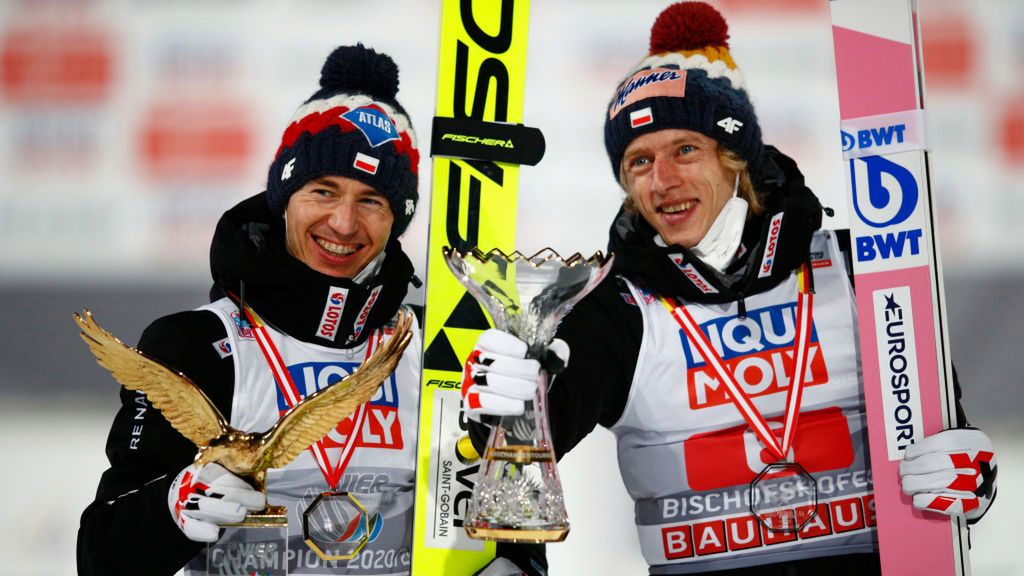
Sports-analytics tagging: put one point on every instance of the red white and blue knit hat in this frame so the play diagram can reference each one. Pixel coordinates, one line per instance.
(688, 80)
(351, 127)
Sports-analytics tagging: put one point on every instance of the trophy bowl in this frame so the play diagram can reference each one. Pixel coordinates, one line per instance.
(518, 496)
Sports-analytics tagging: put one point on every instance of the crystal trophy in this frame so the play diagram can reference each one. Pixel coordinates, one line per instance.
(518, 496)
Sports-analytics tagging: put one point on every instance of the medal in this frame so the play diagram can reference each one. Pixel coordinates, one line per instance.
(336, 524)
(783, 496)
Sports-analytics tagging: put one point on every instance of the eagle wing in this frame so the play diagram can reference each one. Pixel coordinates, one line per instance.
(319, 413)
(181, 402)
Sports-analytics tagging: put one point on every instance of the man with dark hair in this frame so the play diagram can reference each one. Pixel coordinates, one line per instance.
(308, 277)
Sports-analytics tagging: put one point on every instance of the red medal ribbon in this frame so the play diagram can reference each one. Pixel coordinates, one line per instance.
(291, 395)
(801, 344)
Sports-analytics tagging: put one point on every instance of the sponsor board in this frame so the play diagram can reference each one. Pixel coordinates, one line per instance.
(743, 532)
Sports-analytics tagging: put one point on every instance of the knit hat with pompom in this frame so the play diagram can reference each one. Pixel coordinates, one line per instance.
(688, 80)
(352, 127)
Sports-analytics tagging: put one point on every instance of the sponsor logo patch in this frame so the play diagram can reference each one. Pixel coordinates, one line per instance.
(223, 347)
(374, 123)
(360, 323)
(648, 84)
(758, 350)
(381, 427)
(242, 327)
(743, 532)
(897, 362)
(772, 246)
(333, 309)
(692, 274)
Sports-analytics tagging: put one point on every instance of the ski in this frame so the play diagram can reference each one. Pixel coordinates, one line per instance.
(907, 375)
(480, 81)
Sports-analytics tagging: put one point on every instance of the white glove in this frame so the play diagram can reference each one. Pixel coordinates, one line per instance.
(202, 498)
(498, 378)
(952, 472)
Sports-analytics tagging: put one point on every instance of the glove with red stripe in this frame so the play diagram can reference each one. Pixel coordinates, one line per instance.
(498, 378)
(952, 472)
(200, 499)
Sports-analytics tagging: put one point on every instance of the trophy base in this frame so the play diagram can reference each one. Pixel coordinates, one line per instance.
(518, 535)
(268, 517)
(257, 545)
(520, 454)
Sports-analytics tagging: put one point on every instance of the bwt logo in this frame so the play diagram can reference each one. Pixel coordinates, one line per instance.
(890, 198)
(873, 137)
(758, 350)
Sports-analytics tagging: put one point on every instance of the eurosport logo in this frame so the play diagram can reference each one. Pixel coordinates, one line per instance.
(758, 350)
(897, 363)
(381, 426)
(734, 456)
(333, 308)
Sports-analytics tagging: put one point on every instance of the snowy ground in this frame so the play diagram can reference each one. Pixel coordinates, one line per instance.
(54, 458)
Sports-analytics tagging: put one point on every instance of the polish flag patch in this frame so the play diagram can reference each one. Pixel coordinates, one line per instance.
(641, 117)
(366, 163)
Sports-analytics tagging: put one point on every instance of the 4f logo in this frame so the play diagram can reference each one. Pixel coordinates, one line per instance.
(286, 173)
(730, 124)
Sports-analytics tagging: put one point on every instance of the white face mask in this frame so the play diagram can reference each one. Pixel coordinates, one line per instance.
(718, 247)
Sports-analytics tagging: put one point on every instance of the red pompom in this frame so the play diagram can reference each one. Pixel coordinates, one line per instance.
(688, 26)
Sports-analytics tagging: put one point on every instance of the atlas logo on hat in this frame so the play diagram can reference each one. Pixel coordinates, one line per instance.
(373, 123)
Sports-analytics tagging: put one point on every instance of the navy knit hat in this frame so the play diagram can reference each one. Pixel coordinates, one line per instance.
(351, 127)
(688, 80)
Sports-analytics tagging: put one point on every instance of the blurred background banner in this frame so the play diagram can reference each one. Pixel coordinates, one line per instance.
(128, 126)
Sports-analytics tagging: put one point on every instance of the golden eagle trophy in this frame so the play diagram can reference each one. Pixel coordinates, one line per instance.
(246, 454)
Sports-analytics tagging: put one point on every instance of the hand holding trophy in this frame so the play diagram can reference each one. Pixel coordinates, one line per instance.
(518, 497)
(247, 455)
